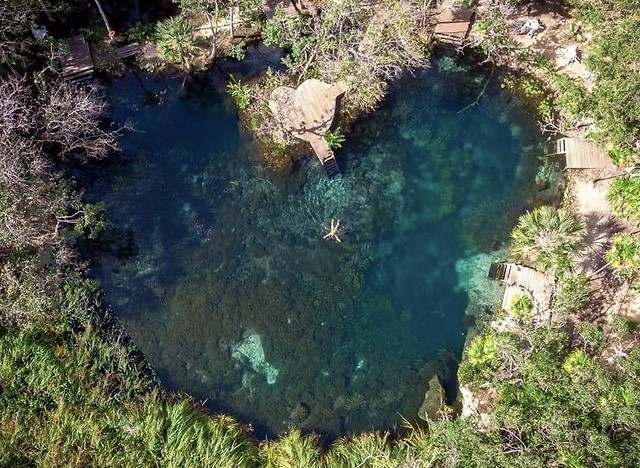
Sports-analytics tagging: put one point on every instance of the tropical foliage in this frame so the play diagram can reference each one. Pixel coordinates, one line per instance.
(552, 394)
(344, 40)
(548, 238)
(624, 255)
(522, 307)
(74, 391)
(573, 293)
(334, 138)
(240, 93)
(624, 196)
(176, 41)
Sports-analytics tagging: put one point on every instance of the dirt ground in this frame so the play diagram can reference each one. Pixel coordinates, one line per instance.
(557, 35)
(587, 197)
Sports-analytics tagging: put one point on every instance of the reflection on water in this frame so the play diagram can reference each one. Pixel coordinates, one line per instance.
(234, 295)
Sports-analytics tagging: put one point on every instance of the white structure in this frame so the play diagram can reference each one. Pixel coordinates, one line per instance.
(39, 32)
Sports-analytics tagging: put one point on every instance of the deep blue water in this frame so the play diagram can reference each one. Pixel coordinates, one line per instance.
(233, 294)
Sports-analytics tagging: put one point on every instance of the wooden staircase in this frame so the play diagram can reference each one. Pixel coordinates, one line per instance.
(330, 165)
(499, 271)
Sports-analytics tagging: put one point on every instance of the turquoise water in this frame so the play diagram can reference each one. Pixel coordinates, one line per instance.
(226, 282)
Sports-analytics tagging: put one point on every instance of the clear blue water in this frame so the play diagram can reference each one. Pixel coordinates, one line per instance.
(233, 294)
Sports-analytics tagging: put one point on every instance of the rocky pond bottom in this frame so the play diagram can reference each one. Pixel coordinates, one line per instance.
(230, 290)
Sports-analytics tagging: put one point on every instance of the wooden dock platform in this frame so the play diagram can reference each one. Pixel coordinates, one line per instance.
(453, 23)
(77, 64)
(269, 8)
(582, 154)
(520, 280)
(307, 112)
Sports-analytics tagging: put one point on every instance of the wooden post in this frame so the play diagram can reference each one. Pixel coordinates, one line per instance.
(104, 17)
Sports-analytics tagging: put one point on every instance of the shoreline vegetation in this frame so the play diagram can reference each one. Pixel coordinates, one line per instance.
(565, 391)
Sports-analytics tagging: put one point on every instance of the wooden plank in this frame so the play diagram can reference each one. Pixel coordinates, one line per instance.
(453, 22)
(521, 279)
(128, 50)
(581, 154)
(78, 60)
(452, 28)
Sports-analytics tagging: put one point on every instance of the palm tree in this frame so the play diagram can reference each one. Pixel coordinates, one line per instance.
(624, 255)
(176, 41)
(548, 238)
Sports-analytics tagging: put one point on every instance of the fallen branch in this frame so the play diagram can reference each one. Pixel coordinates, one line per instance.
(482, 92)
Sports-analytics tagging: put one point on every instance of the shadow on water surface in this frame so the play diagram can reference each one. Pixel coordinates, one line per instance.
(235, 297)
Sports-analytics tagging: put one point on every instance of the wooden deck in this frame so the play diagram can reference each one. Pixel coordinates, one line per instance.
(77, 64)
(453, 23)
(269, 8)
(524, 280)
(307, 112)
(581, 154)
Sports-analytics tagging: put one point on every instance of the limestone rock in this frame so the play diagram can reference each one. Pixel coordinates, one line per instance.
(475, 405)
(469, 403)
(434, 400)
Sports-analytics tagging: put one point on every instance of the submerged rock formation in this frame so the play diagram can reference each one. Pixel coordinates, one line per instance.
(250, 349)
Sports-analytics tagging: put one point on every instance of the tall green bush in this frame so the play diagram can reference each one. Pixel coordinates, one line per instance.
(624, 196)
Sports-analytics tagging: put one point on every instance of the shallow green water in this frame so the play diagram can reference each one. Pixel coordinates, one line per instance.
(234, 295)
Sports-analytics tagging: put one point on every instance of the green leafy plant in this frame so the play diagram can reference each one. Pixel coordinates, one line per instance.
(240, 93)
(95, 34)
(545, 109)
(573, 293)
(176, 41)
(624, 196)
(92, 221)
(522, 307)
(238, 50)
(334, 138)
(482, 350)
(621, 156)
(623, 327)
(624, 254)
(591, 337)
(548, 238)
(142, 32)
(576, 362)
(531, 87)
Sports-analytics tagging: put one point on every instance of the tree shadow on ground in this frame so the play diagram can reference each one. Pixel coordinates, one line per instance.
(600, 228)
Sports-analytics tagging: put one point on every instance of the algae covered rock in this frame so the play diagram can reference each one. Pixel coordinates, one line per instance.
(434, 400)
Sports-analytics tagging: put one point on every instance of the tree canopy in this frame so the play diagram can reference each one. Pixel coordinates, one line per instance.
(548, 238)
